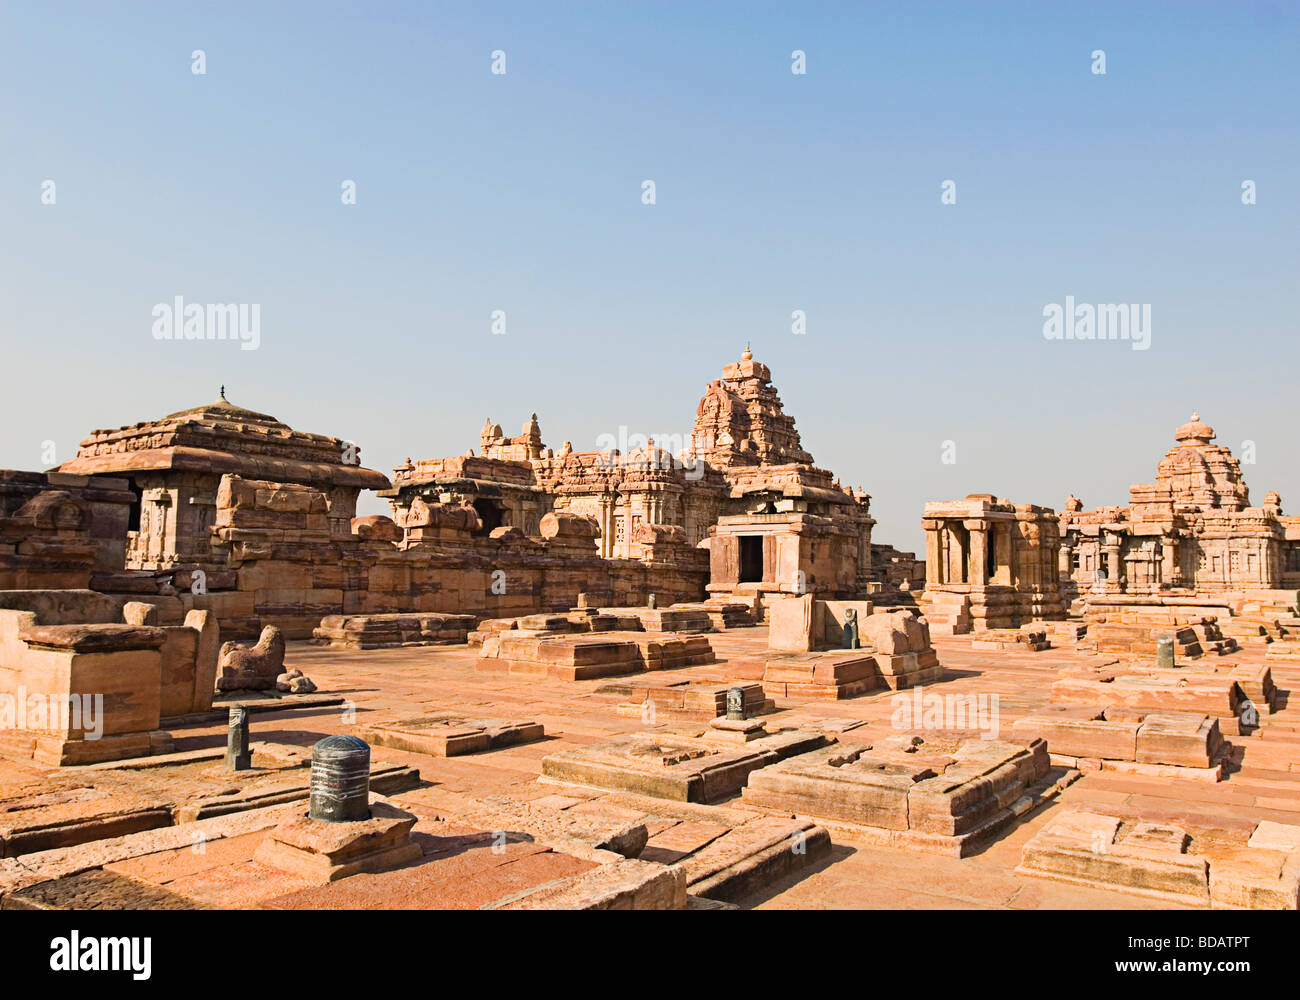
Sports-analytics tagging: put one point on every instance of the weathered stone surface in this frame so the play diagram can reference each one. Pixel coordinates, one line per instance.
(97, 890)
(1276, 837)
(829, 674)
(1184, 740)
(1087, 848)
(1088, 736)
(521, 652)
(1190, 693)
(325, 851)
(679, 767)
(1161, 860)
(294, 681)
(941, 793)
(753, 855)
(697, 701)
(242, 667)
(1175, 739)
(624, 885)
(1255, 878)
(449, 734)
(386, 630)
(93, 638)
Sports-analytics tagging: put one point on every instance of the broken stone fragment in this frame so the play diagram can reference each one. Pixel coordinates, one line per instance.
(295, 682)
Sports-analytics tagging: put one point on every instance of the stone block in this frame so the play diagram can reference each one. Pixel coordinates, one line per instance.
(450, 734)
(323, 851)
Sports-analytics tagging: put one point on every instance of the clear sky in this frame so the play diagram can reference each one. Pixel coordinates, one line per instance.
(775, 192)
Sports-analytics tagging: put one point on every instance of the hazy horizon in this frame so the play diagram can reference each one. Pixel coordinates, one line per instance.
(775, 192)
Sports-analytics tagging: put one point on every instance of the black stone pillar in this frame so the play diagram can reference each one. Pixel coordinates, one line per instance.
(340, 779)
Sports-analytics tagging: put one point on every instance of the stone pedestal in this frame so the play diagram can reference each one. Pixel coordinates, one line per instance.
(326, 851)
(737, 731)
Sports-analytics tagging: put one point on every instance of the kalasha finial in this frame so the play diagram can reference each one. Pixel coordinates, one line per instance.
(1196, 417)
(748, 355)
(223, 392)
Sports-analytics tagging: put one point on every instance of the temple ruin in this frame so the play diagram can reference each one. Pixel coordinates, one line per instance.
(632, 677)
(1192, 530)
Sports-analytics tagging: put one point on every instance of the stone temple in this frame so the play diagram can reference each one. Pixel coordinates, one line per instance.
(672, 675)
(743, 478)
(1193, 529)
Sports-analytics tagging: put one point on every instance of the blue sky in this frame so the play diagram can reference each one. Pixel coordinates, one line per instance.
(775, 192)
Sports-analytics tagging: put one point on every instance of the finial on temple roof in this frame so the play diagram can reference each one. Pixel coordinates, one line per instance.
(1195, 416)
(748, 355)
(223, 392)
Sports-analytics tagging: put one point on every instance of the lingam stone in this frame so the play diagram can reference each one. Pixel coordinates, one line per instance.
(851, 629)
(237, 756)
(735, 703)
(340, 779)
(1164, 651)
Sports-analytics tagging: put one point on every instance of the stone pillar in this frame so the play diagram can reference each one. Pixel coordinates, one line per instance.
(933, 577)
(978, 555)
(1114, 569)
(237, 755)
(340, 779)
(607, 528)
(1168, 560)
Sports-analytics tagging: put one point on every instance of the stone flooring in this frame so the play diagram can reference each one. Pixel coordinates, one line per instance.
(1262, 780)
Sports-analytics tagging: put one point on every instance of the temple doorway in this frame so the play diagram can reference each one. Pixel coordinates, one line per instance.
(751, 559)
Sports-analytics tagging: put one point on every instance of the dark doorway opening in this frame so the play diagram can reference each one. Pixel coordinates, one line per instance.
(490, 514)
(133, 511)
(751, 559)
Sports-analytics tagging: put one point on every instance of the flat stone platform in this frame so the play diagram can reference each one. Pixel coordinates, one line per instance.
(728, 850)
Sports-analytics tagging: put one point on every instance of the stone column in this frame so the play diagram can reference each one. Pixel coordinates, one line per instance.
(340, 779)
(606, 527)
(237, 756)
(978, 555)
(1168, 560)
(1114, 569)
(933, 576)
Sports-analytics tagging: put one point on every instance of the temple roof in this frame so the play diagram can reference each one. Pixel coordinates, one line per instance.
(740, 420)
(221, 438)
(225, 410)
(1194, 431)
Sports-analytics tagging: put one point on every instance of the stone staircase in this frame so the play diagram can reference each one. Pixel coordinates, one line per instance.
(1192, 639)
(947, 614)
